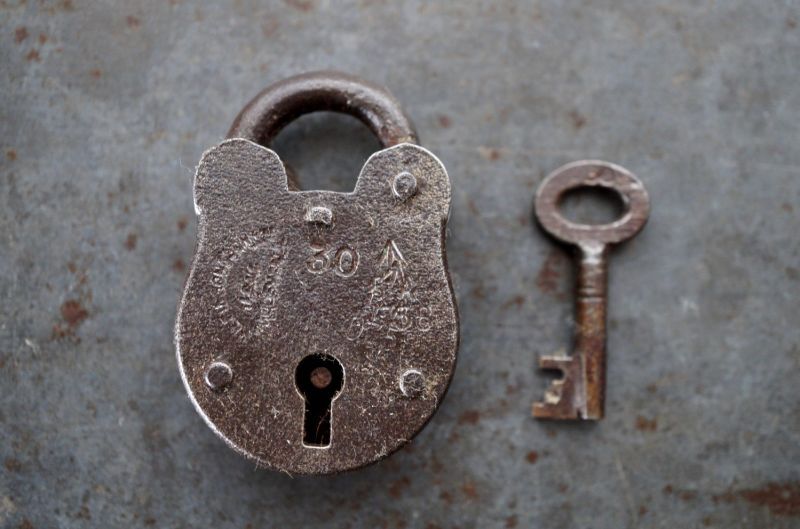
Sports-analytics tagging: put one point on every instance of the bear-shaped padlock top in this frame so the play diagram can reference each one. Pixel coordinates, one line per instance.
(318, 330)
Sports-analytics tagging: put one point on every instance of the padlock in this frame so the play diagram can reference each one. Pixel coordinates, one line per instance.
(318, 330)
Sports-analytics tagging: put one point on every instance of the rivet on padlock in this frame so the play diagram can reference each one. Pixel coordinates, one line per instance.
(318, 330)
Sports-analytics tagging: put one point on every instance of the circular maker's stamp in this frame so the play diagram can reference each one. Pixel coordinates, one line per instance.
(245, 278)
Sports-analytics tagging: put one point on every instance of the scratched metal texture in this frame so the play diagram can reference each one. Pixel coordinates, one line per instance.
(105, 108)
(307, 307)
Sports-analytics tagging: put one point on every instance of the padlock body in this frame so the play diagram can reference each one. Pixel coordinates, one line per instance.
(358, 277)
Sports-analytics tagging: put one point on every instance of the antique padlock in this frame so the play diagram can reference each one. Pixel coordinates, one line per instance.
(318, 330)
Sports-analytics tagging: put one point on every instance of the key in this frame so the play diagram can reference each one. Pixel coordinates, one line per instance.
(580, 392)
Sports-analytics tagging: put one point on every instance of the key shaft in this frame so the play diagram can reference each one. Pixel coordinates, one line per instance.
(590, 327)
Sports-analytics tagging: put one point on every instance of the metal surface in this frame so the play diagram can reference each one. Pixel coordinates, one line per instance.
(106, 106)
(580, 391)
(283, 279)
(286, 100)
(282, 102)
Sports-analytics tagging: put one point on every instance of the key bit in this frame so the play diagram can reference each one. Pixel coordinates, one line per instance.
(580, 392)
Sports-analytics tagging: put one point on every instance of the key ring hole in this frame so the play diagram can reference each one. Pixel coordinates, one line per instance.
(600, 177)
(592, 205)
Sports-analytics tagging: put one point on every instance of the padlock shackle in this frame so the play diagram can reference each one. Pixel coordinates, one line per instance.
(280, 103)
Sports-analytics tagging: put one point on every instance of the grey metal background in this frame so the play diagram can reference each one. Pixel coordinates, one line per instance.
(105, 108)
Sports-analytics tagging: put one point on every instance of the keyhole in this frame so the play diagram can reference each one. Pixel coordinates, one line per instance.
(319, 379)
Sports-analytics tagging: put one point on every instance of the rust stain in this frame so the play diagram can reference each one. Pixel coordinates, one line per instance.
(133, 22)
(517, 301)
(270, 28)
(96, 73)
(469, 417)
(787, 207)
(687, 495)
(532, 457)
(73, 313)
(178, 265)
(444, 121)
(83, 279)
(490, 153)
(72, 267)
(20, 34)
(782, 499)
(682, 494)
(479, 292)
(55, 7)
(26, 524)
(33, 56)
(549, 278)
(642, 510)
(446, 497)
(130, 241)
(472, 207)
(469, 490)
(578, 119)
(11, 154)
(12, 465)
(511, 521)
(42, 38)
(791, 23)
(301, 5)
(397, 488)
(182, 223)
(60, 332)
(646, 425)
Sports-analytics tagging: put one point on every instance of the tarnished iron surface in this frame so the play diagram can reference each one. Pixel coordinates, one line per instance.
(286, 100)
(287, 286)
(580, 392)
(106, 107)
(280, 103)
